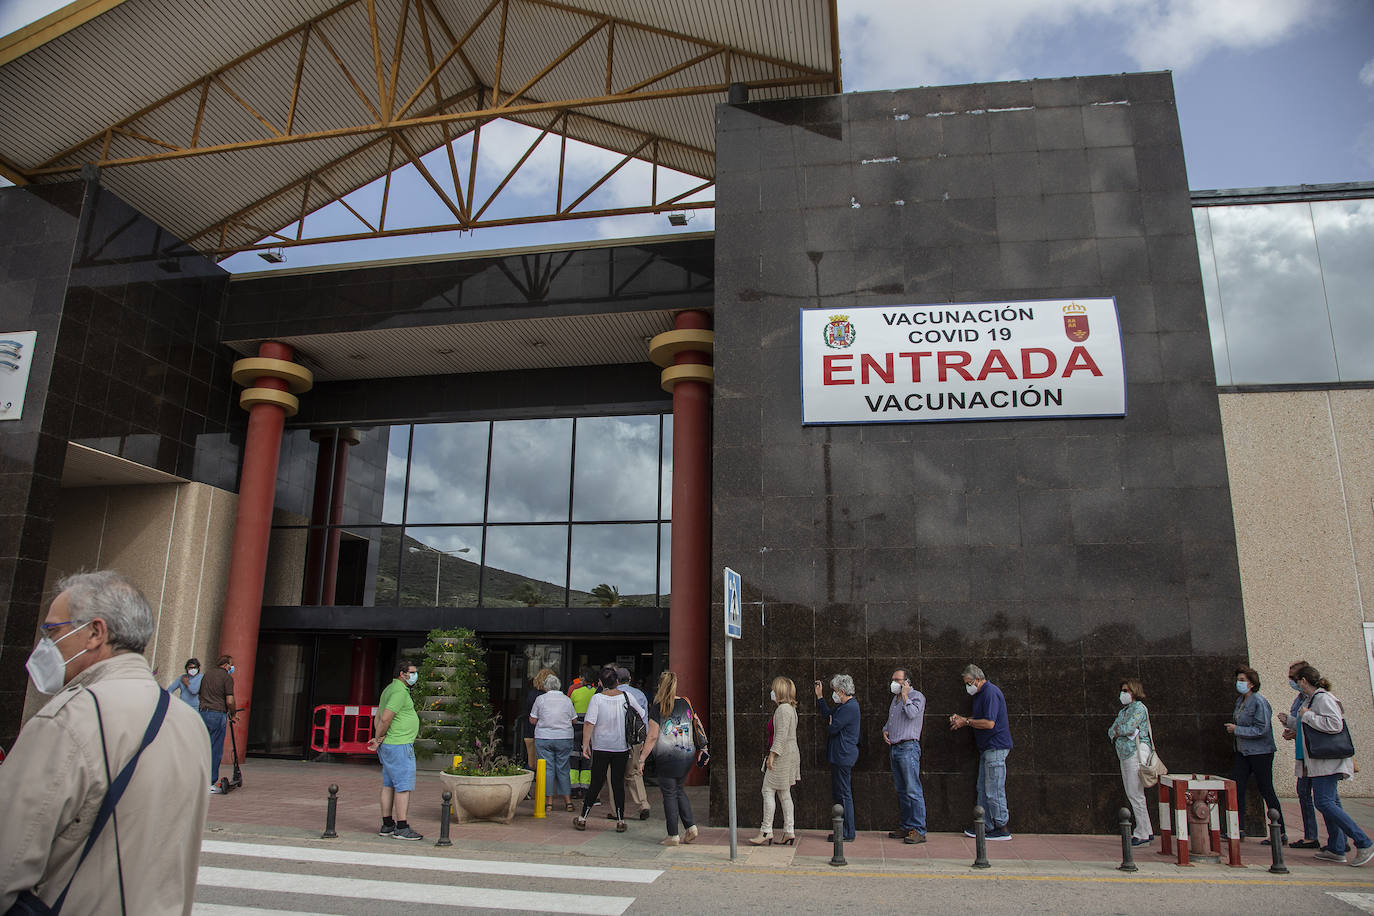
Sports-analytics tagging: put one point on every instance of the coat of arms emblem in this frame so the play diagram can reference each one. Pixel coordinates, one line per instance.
(1076, 322)
(839, 333)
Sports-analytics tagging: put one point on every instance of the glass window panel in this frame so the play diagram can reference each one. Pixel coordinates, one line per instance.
(1277, 328)
(1215, 323)
(440, 566)
(530, 470)
(623, 558)
(366, 569)
(666, 471)
(295, 478)
(665, 545)
(375, 481)
(526, 566)
(616, 474)
(448, 472)
(1345, 240)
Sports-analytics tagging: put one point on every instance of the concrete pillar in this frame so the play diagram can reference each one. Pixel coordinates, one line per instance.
(272, 382)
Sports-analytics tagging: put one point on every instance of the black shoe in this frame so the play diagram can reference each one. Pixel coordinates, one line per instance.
(897, 834)
(1304, 844)
(406, 833)
(387, 830)
(644, 815)
(1283, 840)
(1136, 841)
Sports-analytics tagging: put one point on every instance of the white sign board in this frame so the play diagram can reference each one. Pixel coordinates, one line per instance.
(16, 356)
(734, 616)
(964, 361)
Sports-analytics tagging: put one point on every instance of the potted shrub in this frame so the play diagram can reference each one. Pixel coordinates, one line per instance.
(485, 784)
(451, 694)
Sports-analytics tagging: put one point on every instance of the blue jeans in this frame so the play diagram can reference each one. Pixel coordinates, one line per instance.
(843, 794)
(398, 766)
(215, 722)
(555, 752)
(675, 804)
(1339, 824)
(1309, 810)
(992, 786)
(906, 779)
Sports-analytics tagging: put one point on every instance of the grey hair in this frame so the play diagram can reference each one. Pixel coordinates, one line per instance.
(114, 599)
(843, 683)
(553, 683)
(974, 672)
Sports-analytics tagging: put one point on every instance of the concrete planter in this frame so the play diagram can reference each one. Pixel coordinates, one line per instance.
(486, 798)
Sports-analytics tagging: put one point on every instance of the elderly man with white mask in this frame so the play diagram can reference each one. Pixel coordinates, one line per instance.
(102, 800)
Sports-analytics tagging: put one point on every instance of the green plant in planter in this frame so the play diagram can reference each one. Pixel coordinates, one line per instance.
(453, 685)
(483, 760)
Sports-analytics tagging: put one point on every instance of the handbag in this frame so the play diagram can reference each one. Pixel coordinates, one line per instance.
(29, 903)
(1151, 764)
(635, 732)
(699, 739)
(1319, 745)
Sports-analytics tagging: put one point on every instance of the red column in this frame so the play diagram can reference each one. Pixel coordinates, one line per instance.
(271, 376)
(689, 377)
(363, 671)
(322, 545)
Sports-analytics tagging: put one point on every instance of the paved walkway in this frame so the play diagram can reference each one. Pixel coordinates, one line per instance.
(287, 800)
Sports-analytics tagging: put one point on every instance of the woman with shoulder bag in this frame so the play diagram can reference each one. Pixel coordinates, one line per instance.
(1252, 730)
(1328, 757)
(673, 738)
(1130, 734)
(781, 765)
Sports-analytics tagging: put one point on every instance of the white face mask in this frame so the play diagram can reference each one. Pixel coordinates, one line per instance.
(896, 687)
(970, 689)
(47, 667)
(834, 697)
(773, 695)
(1125, 698)
(192, 672)
(412, 677)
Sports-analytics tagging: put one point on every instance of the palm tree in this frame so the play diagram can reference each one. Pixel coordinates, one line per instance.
(606, 595)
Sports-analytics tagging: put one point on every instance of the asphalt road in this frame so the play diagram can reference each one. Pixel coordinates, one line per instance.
(268, 876)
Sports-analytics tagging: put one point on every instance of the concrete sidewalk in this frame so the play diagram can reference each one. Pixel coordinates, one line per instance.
(287, 800)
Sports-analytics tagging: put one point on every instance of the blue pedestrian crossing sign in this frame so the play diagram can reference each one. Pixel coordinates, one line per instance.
(733, 615)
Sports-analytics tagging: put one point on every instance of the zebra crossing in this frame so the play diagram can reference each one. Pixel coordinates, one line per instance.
(255, 879)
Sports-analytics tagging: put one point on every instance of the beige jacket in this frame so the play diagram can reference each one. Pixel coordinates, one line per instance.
(53, 782)
(787, 768)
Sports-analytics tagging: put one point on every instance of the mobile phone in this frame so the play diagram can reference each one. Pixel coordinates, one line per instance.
(703, 758)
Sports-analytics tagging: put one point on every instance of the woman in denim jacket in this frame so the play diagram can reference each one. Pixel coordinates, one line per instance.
(1252, 732)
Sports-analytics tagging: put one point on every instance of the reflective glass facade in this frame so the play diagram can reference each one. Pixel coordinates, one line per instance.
(554, 512)
(1290, 290)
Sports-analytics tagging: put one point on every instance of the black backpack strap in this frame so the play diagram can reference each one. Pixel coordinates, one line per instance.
(116, 788)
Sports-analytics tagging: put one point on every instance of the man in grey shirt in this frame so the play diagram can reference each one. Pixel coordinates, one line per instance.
(903, 736)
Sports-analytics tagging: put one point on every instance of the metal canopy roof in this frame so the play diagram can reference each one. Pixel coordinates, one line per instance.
(230, 121)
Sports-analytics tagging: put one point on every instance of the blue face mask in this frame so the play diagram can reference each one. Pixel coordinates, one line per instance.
(1242, 687)
(1294, 684)
(231, 669)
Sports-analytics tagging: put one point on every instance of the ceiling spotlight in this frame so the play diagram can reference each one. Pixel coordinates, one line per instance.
(273, 255)
(678, 218)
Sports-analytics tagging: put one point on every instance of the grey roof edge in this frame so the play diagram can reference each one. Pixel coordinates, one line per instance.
(1283, 194)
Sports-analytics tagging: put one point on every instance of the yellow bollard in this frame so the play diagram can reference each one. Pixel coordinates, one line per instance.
(539, 796)
(457, 759)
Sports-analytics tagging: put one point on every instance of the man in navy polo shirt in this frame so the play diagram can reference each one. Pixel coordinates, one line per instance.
(989, 721)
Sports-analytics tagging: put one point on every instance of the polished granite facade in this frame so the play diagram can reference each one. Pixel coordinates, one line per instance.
(1059, 555)
(128, 361)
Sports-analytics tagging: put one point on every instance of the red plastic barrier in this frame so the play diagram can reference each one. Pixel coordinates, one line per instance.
(339, 729)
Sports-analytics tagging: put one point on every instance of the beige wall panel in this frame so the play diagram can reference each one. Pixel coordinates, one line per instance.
(1290, 489)
(285, 567)
(1353, 413)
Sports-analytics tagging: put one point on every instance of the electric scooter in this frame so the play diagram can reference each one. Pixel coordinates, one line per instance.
(226, 784)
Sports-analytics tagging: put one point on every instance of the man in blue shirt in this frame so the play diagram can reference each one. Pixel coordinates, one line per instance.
(903, 736)
(989, 722)
(842, 744)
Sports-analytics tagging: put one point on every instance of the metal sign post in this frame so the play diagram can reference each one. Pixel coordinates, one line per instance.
(733, 620)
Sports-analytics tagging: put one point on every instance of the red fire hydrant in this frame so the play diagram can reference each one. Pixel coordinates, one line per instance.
(1200, 804)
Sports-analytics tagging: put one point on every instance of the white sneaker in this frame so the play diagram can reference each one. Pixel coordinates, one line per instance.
(691, 834)
(669, 841)
(1327, 855)
(216, 789)
(1362, 856)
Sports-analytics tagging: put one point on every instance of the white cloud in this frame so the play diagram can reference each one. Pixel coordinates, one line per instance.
(1367, 74)
(895, 43)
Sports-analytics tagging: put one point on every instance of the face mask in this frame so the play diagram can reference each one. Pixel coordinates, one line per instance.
(1125, 698)
(1242, 687)
(1294, 684)
(773, 695)
(231, 669)
(412, 677)
(192, 672)
(896, 687)
(47, 667)
(970, 689)
(834, 697)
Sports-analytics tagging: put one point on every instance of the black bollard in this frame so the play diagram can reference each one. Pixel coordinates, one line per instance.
(837, 824)
(1127, 852)
(980, 839)
(331, 812)
(444, 814)
(1276, 843)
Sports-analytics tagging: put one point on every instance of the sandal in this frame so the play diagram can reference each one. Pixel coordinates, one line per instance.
(570, 807)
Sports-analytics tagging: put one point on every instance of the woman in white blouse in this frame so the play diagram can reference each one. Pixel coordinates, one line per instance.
(603, 740)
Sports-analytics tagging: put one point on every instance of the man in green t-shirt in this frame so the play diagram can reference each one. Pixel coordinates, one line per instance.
(393, 738)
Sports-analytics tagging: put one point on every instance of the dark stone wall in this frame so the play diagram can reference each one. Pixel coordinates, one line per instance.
(127, 361)
(1059, 555)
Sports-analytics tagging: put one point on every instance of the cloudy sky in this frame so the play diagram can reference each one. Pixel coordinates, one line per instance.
(1270, 92)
